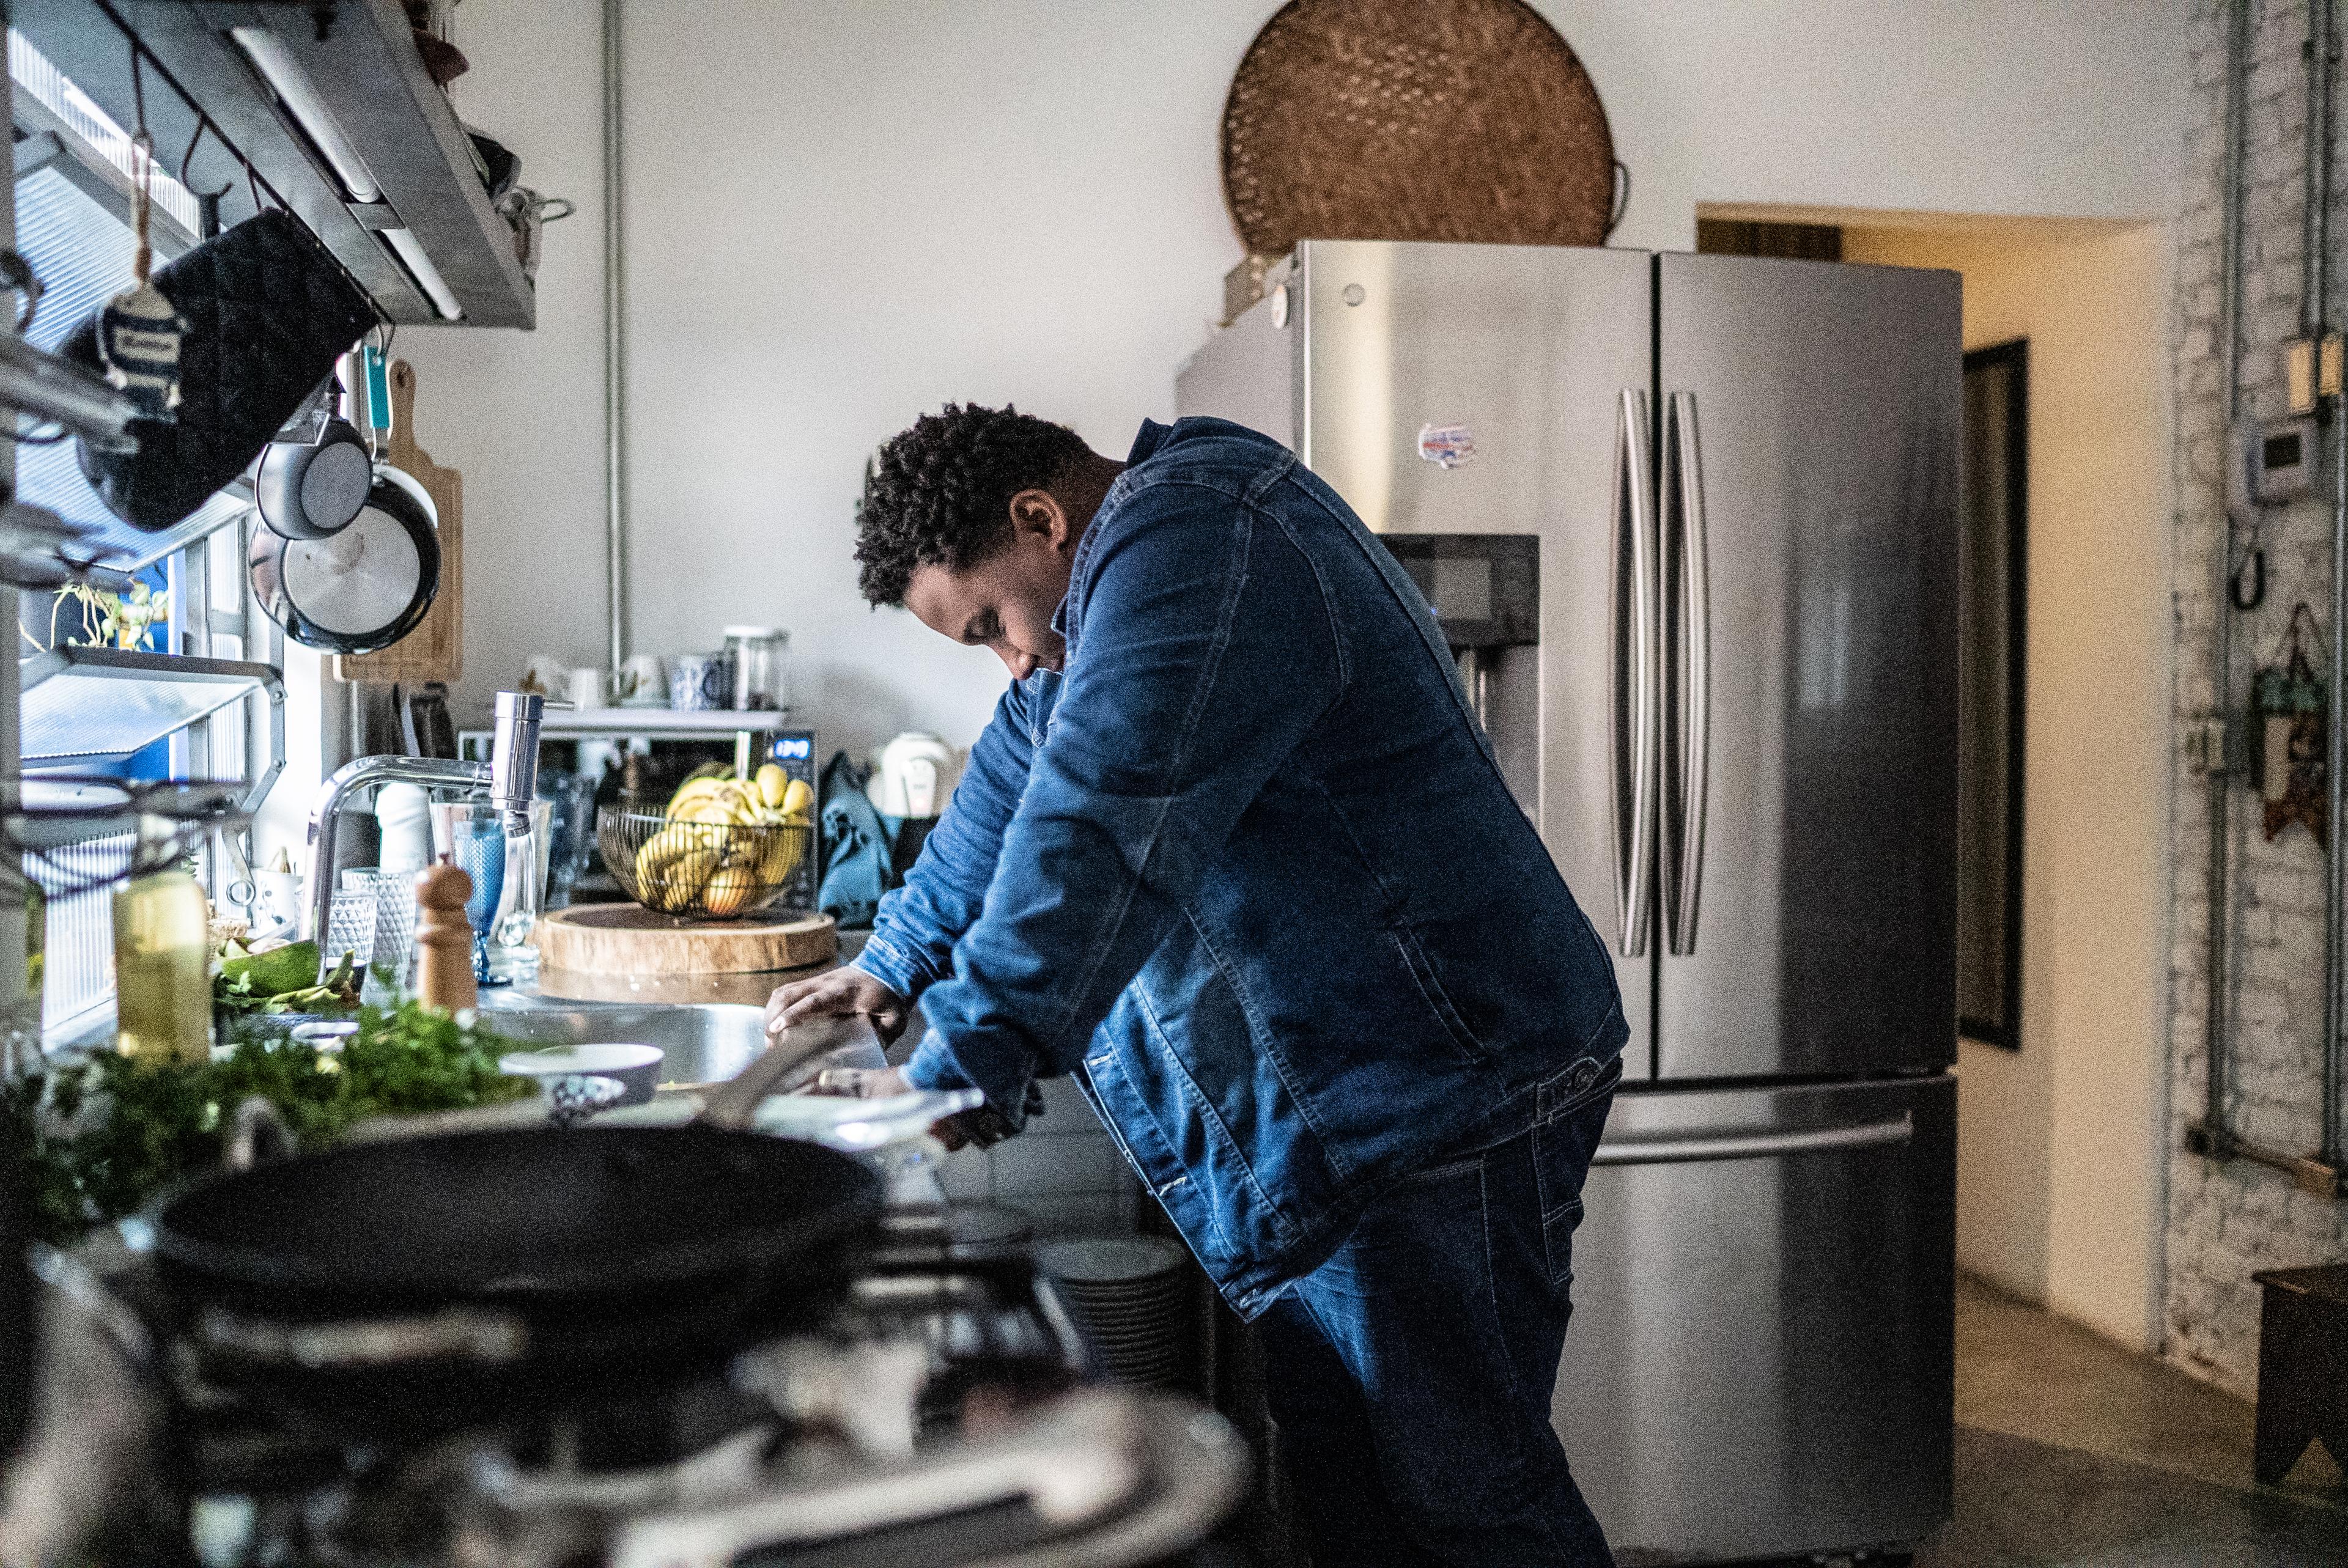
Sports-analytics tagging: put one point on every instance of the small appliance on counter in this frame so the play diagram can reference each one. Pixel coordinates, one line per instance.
(913, 777)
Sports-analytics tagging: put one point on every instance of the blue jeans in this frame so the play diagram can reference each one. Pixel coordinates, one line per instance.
(1411, 1374)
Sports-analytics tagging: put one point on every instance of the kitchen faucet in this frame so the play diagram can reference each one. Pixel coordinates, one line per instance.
(511, 777)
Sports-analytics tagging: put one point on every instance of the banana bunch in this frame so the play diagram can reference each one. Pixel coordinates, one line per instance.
(699, 854)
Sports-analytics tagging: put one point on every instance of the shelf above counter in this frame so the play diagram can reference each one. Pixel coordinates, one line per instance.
(567, 722)
(400, 201)
(794, 744)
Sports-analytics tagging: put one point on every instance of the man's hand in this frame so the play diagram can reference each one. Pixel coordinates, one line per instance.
(841, 993)
(981, 1126)
(861, 1082)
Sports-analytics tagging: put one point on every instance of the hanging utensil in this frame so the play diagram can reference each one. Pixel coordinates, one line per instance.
(2290, 717)
(139, 330)
(314, 479)
(365, 587)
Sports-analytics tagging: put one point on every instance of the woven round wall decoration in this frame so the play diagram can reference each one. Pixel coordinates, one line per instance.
(1415, 119)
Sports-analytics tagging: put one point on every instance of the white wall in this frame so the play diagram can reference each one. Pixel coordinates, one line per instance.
(840, 215)
(522, 413)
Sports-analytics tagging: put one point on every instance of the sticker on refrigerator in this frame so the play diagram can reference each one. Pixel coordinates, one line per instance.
(1447, 446)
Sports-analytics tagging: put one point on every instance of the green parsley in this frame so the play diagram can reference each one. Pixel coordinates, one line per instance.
(104, 1134)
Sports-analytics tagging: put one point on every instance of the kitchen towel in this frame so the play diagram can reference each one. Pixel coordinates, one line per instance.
(858, 853)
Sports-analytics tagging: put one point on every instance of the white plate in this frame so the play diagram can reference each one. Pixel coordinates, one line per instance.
(1091, 1263)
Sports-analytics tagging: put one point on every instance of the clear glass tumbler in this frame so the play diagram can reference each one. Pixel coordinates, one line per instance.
(571, 844)
(529, 860)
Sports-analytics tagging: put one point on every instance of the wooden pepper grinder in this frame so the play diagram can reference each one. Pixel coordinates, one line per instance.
(444, 941)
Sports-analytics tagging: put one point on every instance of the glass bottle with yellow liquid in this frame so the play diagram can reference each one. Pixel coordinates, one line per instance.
(20, 1013)
(162, 964)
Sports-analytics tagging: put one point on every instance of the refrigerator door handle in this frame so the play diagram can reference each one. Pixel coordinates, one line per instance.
(1630, 712)
(1681, 1147)
(1687, 549)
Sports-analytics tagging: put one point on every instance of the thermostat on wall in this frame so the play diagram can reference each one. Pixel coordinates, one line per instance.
(2280, 460)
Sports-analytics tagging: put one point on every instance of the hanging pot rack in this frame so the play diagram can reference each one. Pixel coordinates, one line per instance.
(348, 131)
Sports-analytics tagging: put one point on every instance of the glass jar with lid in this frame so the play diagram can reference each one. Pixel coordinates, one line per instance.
(761, 657)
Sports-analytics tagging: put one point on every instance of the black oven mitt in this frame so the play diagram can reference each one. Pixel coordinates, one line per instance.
(268, 313)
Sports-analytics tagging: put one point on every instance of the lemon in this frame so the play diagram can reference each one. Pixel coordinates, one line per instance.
(729, 891)
(774, 784)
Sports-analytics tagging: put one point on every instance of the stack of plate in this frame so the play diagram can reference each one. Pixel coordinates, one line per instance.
(1127, 1295)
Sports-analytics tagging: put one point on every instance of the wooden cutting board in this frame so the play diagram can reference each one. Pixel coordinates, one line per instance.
(628, 938)
(435, 651)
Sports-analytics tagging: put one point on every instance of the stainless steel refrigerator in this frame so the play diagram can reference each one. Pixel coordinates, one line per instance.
(1729, 484)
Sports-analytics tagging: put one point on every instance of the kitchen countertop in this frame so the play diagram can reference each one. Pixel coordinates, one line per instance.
(550, 984)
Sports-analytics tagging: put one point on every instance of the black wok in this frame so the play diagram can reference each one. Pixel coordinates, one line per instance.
(423, 1283)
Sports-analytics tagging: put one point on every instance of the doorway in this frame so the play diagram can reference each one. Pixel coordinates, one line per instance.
(2060, 1142)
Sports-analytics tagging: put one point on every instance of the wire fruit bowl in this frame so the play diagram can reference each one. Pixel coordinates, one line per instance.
(699, 870)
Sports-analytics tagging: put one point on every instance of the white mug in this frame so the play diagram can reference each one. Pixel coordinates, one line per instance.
(544, 674)
(586, 689)
(281, 901)
(643, 679)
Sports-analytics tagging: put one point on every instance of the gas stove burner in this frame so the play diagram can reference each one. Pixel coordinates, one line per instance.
(1105, 1479)
(932, 1235)
(725, 1470)
(936, 1376)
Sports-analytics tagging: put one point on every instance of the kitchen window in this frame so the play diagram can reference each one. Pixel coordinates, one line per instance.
(75, 175)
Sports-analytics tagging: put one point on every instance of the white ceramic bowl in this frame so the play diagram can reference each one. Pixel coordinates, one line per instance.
(637, 1067)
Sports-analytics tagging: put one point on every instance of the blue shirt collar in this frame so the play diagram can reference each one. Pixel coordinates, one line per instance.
(1145, 442)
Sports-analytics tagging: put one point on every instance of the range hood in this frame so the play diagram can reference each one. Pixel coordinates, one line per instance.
(348, 131)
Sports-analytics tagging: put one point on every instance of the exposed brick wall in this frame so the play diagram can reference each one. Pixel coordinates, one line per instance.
(2225, 1222)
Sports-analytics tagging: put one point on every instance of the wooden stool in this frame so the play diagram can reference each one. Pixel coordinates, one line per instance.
(2303, 1368)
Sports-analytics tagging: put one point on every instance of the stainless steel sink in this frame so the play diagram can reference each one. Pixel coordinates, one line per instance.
(705, 1041)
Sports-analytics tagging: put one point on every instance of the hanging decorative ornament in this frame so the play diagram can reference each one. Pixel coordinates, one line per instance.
(140, 331)
(2289, 716)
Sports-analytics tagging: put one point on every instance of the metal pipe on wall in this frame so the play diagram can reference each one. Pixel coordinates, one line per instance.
(2322, 47)
(2315, 202)
(615, 364)
(2221, 915)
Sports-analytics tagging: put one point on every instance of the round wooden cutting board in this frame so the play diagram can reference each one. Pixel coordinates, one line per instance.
(628, 938)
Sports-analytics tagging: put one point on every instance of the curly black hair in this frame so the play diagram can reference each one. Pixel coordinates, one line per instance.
(940, 493)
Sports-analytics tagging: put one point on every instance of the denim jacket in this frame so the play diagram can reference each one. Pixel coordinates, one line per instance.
(1247, 871)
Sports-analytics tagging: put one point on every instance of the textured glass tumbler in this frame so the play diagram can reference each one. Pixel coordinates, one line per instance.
(570, 843)
(472, 834)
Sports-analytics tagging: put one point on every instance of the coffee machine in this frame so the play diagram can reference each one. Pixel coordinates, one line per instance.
(1485, 590)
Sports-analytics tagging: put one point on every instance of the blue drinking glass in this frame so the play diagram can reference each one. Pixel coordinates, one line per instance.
(477, 845)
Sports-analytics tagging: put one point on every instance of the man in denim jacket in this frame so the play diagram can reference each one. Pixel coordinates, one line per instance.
(1234, 855)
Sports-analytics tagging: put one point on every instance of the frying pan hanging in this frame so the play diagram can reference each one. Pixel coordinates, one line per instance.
(365, 587)
(313, 488)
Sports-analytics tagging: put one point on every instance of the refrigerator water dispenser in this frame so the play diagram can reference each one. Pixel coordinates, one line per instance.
(1485, 590)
